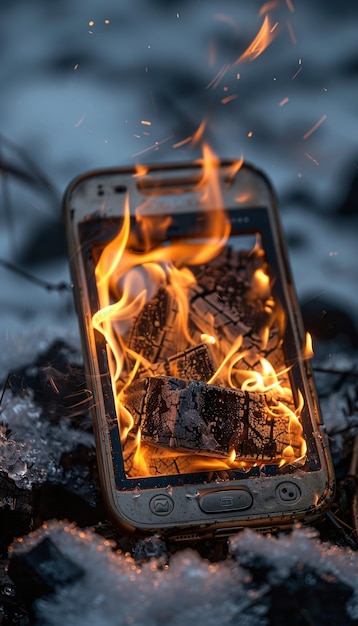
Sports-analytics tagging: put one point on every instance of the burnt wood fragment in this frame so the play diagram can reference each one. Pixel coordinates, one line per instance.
(153, 332)
(196, 363)
(208, 419)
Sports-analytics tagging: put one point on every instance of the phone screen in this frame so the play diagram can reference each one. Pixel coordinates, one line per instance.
(193, 331)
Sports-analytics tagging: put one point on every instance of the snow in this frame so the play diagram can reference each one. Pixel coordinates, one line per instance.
(117, 590)
(30, 445)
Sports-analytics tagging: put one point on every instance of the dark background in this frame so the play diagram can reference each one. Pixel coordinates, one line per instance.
(78, 78)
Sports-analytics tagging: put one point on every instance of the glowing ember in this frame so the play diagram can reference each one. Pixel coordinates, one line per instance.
(194, 338)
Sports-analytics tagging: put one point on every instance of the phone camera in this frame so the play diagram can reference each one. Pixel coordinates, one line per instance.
(120, 189)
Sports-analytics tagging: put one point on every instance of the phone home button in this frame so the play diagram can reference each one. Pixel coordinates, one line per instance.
(226, 500)
(161, 505)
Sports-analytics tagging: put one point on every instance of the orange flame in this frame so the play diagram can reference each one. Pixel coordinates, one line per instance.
(132, 270)
(308, 348)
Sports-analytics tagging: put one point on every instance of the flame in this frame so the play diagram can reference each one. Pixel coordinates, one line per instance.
(269, 6)
(140, 170)
(207, 338)
(198, 135)
(235, 168)
(142, 267)
(308, 348)
(263, 39)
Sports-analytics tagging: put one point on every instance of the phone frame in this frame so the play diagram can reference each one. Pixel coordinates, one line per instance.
(189, 507)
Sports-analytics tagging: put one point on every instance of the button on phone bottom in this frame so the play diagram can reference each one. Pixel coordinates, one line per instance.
(223, 501)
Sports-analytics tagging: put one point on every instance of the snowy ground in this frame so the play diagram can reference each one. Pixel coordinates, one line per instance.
(114, 589)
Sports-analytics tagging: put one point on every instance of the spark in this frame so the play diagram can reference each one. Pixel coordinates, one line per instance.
(268, 6)
(311, 158)
(212, 53)
(291, 31)
(107, 21)
(297, 73)
(91, 23)
(75, 67)
(154, 146)
(250, 133)
(314, 127)
(198, 135)
(283, 102)
(79, 121)
(262, 40)
(229, 99)
(223, 17)
(217, 78)
(146, 123)
(182, 143)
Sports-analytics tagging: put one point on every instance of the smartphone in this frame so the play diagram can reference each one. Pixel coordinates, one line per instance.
(204, 408)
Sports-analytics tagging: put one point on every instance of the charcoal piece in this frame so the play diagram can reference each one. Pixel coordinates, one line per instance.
(206, 419)
(150, 548)
(58, 384)
(16, 510)
(302, 596)
(74, 494)
(153, 332)
(225, 295)
(42, 570)
(310, 597)
(196, 363)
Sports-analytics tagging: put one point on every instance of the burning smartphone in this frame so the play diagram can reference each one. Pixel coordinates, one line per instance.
(204, 411)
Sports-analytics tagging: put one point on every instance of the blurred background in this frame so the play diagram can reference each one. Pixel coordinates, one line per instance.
(88, 84)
